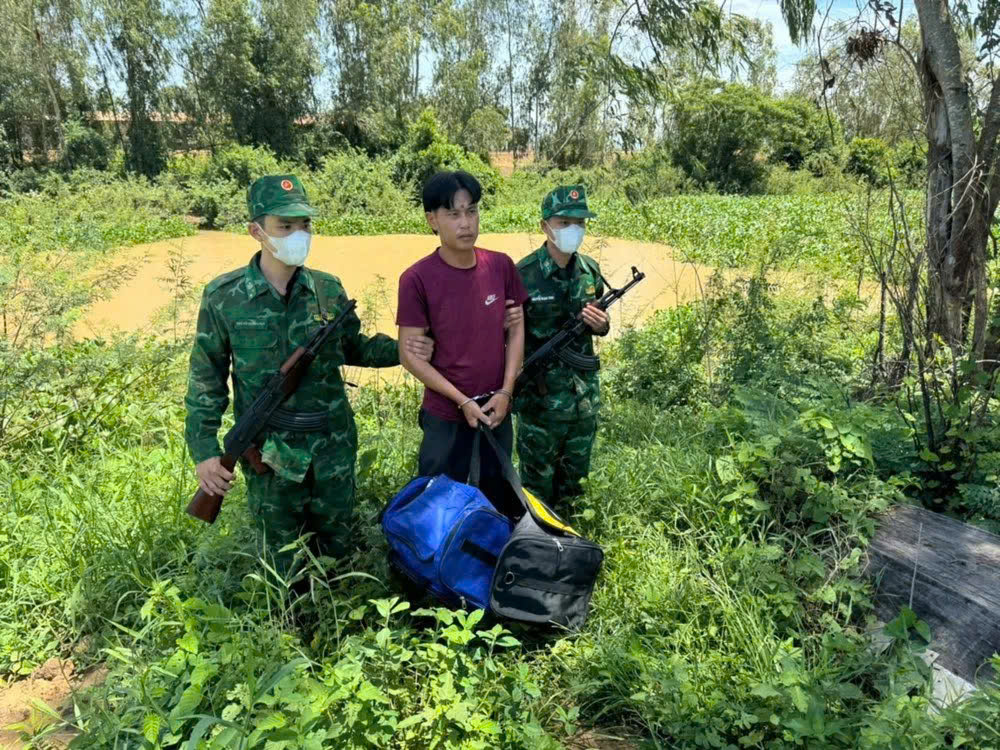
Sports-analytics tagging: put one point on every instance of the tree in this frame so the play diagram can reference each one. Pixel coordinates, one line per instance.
(136, 34)
(719, 134)
(746, 55)
(724, 135)
(255, 62)
(963, 152)
(375, 67)
(797, 128)
(43, 73)
(876, 98)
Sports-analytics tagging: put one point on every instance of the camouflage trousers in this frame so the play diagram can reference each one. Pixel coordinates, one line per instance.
(554, 456)
(283, 510)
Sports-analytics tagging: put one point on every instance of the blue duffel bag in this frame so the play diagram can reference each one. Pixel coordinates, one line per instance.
(446, 537)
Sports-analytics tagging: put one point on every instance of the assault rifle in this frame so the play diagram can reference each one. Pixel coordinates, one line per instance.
(558, 345)
(239, 441)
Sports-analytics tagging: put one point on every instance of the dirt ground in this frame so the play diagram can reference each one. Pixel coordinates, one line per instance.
(52, 684)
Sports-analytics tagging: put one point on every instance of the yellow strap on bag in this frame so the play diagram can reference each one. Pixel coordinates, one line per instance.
(542, 513)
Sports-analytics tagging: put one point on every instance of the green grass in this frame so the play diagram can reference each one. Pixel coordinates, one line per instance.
(734, 488)
(722, 611)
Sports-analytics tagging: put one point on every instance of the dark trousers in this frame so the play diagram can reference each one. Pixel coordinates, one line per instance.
(447, 449)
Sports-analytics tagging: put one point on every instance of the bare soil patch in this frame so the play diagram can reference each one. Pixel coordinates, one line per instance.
(52, 684)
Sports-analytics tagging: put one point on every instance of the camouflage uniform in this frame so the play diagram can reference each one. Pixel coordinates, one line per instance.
(243, 321)
(557, 412)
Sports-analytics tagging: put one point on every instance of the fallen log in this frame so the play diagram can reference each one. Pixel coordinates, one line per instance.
(948, 572)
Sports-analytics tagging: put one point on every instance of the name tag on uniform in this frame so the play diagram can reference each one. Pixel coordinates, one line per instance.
(548, 298)
(251, 323)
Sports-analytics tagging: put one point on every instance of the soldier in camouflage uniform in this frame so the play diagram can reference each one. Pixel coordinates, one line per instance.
(557, 412)
(253, 318)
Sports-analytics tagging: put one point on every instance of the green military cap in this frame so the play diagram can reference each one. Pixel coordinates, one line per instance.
(279, 195)
(567, 200)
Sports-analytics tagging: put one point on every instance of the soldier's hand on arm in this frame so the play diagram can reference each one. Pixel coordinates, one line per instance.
(421, 347)
(513, 315)
(213, 477)
(596, 318)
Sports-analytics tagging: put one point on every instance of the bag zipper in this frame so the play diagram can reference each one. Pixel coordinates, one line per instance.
(406, 542)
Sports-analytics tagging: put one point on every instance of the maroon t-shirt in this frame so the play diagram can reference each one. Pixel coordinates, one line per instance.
(463, 309)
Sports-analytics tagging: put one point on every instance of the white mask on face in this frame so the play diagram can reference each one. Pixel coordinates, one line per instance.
(569, 238)
(291, 250)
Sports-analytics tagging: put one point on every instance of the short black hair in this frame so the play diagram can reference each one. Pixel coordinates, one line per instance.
(440, 189)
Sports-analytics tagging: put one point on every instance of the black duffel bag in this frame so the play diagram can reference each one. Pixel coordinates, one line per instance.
(546, 571)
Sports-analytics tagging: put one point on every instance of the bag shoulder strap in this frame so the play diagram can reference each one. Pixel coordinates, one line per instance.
(543, 514)
(475, 463)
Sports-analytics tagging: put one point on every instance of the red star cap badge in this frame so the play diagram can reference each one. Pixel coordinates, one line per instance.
(574, 194)
(286, 184)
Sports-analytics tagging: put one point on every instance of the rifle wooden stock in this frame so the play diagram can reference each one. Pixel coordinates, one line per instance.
(204, 505)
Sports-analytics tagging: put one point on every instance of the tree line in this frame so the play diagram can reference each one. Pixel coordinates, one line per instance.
(570, 81)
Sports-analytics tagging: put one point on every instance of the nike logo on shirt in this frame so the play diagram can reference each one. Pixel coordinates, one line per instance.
(491, 299)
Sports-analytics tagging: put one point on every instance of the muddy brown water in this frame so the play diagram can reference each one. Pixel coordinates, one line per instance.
(369, 267)
(361, 262)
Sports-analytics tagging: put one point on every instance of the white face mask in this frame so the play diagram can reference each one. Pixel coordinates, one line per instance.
(291, 250)
(569, 238)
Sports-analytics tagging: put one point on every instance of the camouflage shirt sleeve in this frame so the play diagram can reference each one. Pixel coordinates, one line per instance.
(367, 351)
(207, 394)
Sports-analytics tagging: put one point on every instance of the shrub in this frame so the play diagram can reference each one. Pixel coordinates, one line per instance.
(650, 174)
(868, 158)
(660, 363)
(798, 130)
(910, 162)
(720, 133)
(243, 164)
(318, 141)
(350, 182)
(186, 168)
(219, 203)
(427, 151)
(26, 180)
(85, 147)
